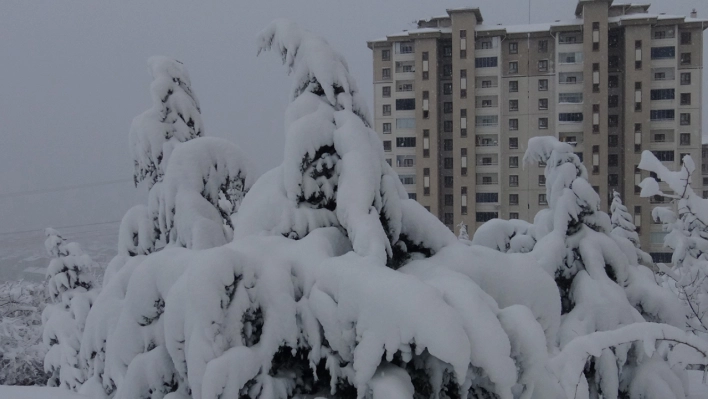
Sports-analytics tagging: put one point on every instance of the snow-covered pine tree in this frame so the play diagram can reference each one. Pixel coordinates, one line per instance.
(70, 285)
(623, 226)
(174, 118)
(687, 236)
(333, 173)
(602, 286)
(463, 232)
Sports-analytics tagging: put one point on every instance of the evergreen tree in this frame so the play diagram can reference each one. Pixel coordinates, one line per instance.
(623, 226)
(70, 285)
(687, 236)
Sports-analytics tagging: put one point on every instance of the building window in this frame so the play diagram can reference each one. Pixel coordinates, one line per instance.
(385, 55)
(664, 156)
(447, 126)
(613, 62)
(447, 107)
(542, 180)
(513, 105)
(573, 117)
(407, 179)
(447, 70)
(405, 161)
(485, 62)
(663, 94)
(387, 145)
(685, 37)
(448, 218)
(387, 109)
(542, 199)
(613, 121)
(448, 181)
(513, 47)
(405, 104)
(405, 142)
(542, 104)
(386, 91)
(685, 98)
(662, 115)
(513, 162)
(570, 98)
(487, 120)
(513, 199)
(426, 143)
(570, 58)
(613, 160)
(405, 123)
(543, 85)
(513, 215)
(486, 216)
(513, 86)
(613, 81)
(513, 124)
(513, 180)
(613, 180)
(685, 138)
(449, 200)
(389, 161)
(487, 197)
(612, 140)
(386, 73)
(612, 40)
(447, 88)
(513, 67)
(513, 143)
(447, 163)
(685, 119)
(463, 54)
(613, 101)
(543, 46)
(387, 128)
(543, 123)
(447, 145)
(543, 66)
(685, 58)
(685, 78)
(663, 53)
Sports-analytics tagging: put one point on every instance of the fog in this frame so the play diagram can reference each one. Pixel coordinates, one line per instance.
(73, 74)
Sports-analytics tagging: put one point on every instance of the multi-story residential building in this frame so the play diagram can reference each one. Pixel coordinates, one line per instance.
(456, 102)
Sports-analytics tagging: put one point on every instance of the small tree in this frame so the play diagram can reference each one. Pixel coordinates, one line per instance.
(623, 226)
(70, 283)
(463, 231)
(687, 236)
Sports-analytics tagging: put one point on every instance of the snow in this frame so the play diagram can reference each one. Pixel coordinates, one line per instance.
(333, 283)
(16, 392)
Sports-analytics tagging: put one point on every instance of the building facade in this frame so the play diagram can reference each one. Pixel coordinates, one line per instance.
(456, 102)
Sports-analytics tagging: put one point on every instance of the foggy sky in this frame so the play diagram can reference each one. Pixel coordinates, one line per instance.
(73, 75)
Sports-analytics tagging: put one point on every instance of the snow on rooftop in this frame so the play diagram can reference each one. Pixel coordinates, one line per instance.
(524, 28)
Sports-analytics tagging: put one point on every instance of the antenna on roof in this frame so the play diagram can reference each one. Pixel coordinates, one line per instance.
(529, 12)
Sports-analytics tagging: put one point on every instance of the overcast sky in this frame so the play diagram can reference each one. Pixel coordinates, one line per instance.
(73, 75)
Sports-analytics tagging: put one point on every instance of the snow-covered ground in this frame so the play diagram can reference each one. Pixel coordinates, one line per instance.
(11, 392)
(22, 256)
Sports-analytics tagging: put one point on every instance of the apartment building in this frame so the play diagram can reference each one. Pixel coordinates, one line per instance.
(456, 101)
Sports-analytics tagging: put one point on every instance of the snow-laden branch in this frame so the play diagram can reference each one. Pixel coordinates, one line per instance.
(568, 365)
